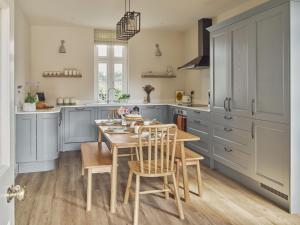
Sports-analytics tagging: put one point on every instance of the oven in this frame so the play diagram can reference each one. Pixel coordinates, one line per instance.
(180, 118)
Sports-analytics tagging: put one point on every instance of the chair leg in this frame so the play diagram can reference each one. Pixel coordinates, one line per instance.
(166, 186)
(177, 198)
(137, 201)
(199, 179)
(137, 154)
(177, 172)
(131, 154)
(127, 192)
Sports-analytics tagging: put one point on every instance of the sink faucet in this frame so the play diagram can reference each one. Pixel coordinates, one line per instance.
(108, 95)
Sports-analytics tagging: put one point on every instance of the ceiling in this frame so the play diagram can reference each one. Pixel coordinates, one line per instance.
(166, 14)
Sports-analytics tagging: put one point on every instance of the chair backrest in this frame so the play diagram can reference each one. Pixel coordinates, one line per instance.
(157, 146)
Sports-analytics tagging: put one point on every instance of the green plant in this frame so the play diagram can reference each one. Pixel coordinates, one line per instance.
(123, 96)
(30, 98)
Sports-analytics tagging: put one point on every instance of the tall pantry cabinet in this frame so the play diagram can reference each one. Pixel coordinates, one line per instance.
(252, 95)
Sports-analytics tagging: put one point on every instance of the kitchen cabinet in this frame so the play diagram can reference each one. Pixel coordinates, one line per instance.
(47, 136)
(158, 112)
(220, 77)
(37, 142)
(79, 125)
(271, 77)
(271, 151)
(25, 138)
(105, 112)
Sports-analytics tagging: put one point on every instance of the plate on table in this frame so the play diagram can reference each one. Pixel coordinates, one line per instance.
(117, 130)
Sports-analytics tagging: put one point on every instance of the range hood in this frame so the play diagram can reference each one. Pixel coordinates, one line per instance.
(202, 61)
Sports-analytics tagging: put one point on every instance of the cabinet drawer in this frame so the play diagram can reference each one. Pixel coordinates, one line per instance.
(232, 121)
(201, 146)
(224, 134)
(232, 157)
(197, 114)
(198, 124)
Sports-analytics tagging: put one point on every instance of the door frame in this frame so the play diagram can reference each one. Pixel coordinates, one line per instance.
(7, 102)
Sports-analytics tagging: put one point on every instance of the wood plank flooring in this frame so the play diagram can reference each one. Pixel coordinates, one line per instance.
(58, 198)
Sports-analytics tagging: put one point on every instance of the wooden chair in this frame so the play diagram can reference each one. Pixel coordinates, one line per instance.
(96, 158)
(192, 159)
(157, 159)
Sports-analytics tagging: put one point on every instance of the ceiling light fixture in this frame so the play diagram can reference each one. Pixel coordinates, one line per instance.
(129, 25)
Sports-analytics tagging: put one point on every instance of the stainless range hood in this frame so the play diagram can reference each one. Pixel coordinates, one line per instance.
(202, 61)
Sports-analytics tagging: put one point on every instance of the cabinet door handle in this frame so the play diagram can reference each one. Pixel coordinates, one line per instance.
(80, 108)
(197, 121)
(228, 117)
(197, 112)
(229, 104)
(227, 129)
(252, 106)
(227, 150)
(252, 130)
(225, 100)
(60, 118)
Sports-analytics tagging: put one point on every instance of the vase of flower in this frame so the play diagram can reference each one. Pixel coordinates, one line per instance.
(148, 89)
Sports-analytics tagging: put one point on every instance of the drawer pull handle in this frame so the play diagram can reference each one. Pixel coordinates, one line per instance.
(225, 100)
(197, 121)
(252, 130)
(228, 117)
(227, 150)
(227, 129)
(229, 104)
(252, 106)
(197, 112)
(80, 108)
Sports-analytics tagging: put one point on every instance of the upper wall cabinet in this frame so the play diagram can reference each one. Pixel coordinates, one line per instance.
(271, 64)
(239, 101)
(219, 70)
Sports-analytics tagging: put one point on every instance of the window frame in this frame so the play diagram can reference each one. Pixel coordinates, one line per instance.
(110, 60)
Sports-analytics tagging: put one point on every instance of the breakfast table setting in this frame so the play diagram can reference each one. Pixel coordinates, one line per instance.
(121, 134)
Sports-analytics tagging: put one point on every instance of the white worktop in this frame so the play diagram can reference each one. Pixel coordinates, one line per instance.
(57, 109)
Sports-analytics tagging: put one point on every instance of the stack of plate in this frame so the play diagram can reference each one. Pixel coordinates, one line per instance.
(134, 117)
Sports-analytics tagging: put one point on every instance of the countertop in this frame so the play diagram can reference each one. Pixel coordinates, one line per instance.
(57, 109)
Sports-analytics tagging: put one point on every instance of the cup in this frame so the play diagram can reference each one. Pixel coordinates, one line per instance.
(136, 129)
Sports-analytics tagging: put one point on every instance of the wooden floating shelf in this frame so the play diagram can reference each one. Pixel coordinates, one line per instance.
(63, 76)
(158, 76)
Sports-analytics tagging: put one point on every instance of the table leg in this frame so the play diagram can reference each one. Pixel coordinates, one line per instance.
(113, 194)
(99, 135)
(185, 174)
(89, 191)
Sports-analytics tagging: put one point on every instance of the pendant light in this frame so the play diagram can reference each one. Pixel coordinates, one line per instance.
(129, 25)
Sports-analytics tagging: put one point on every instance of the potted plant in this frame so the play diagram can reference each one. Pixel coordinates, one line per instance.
(31, 99)
(123, 98)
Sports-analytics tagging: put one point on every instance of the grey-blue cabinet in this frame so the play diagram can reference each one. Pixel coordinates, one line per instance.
(106, 112)
(79, 124)
(26, 138)
(47, 136)
(158, 112)
(37, 142)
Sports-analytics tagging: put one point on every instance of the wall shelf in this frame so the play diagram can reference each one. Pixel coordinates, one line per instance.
(158, 75)
(62, 76)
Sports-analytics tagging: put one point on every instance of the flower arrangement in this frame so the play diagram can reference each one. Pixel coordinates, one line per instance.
(148, 89)
(31, 97)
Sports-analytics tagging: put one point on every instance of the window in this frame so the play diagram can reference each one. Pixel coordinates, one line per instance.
(110, 69)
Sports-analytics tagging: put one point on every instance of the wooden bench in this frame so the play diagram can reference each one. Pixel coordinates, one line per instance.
(96, 158)
(192, 159)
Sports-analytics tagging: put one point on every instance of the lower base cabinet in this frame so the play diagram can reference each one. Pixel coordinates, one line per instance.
(271, 154)
(37, 142)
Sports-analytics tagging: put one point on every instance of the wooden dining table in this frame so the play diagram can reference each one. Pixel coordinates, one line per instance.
(124, 141)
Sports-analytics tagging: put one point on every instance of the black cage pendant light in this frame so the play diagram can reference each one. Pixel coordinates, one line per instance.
(129, 25)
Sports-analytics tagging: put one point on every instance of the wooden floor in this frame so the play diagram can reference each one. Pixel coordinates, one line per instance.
(58, 198)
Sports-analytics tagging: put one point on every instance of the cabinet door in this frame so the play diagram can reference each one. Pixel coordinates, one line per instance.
(240, 95)
(106, 112)
(219, 70)
(152, 112)
(79, 125)
(272, 154)
(272, 65)
(26, 138)
(47, 136)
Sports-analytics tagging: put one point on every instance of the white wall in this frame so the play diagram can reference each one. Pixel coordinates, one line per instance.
(45, 41)
(22, 53)
(142, 59)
